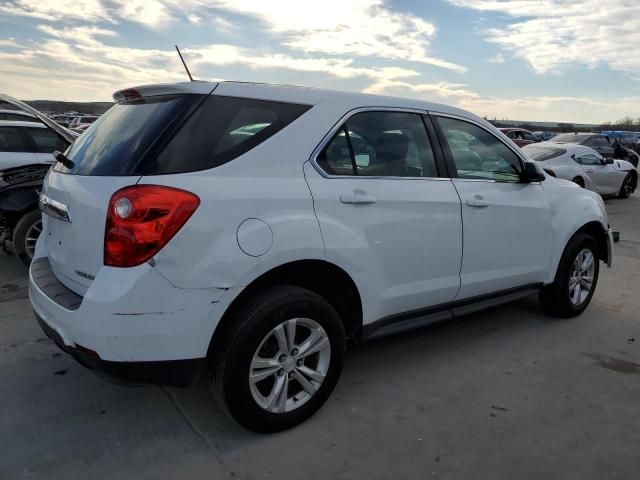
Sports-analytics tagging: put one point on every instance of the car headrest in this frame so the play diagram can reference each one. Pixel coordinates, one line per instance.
(392, 147)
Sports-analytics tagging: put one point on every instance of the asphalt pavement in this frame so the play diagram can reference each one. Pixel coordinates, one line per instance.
(505, 394)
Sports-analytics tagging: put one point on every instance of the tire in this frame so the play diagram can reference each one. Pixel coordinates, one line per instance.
(556, 299)
(628, 186)
(578, 181)
(252, 336)
(25, 234)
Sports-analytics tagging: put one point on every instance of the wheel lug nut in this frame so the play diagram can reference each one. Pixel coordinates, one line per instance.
(299, 362)
(280, 372)
(282, 358)
(294, 351)
(290, 375)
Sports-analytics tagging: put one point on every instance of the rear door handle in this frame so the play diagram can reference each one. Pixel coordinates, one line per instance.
(477, 202)
(358, 197)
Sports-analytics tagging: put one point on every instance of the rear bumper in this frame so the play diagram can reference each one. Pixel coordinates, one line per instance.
(128, 316)
(179, 373)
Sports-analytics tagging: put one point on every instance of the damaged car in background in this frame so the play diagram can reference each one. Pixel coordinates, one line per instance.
(585, 167)
(26, 150)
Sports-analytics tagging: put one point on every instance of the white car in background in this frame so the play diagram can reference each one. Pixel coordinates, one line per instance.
(242, 233)
(586, 167)
(26, 143)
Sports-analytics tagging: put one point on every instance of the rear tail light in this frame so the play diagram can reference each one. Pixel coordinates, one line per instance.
(141, 220)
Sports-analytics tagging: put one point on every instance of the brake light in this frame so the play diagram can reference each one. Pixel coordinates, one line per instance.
(141, 220)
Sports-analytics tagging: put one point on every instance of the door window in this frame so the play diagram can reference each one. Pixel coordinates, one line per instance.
(529, 136)
(45, 141)
(478, 154)
(380, 144)
(589, 159)
(12, 141)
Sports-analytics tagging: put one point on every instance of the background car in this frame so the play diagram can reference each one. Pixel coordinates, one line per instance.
(20, 218)
(18, 115)
(520, 136)
(600, 143)
(585, 167)
(25, 157)
(544, 136)
(25, 143)
(82, 120)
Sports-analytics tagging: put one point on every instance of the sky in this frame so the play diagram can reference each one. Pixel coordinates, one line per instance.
(542, 60)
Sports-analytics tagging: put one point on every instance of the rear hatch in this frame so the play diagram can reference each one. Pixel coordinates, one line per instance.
(111, 154)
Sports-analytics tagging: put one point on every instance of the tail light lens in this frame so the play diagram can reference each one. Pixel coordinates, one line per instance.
(141, 220)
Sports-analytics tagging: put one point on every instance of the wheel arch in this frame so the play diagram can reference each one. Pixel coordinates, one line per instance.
(319, 276)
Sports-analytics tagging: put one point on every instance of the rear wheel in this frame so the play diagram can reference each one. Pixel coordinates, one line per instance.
(25, 236)
(628, 186)
(578, 181)
(280, 360)
(576, 279)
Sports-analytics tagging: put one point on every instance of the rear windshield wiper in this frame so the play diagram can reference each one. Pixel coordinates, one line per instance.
(63, 159)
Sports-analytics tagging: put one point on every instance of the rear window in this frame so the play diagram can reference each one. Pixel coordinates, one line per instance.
(541, 154)
(221, 129)
(122, 138)
(570, 138)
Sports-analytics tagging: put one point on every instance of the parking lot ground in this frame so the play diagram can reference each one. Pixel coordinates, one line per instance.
(505, 394)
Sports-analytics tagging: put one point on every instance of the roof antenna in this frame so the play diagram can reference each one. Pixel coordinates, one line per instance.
(184, 63)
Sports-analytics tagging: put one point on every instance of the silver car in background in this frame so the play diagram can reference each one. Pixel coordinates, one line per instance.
(586, 167)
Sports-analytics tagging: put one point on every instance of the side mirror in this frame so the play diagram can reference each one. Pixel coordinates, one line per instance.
(608, 161)
(532, 173)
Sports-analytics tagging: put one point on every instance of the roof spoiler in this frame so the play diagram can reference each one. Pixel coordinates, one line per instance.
(68, 135)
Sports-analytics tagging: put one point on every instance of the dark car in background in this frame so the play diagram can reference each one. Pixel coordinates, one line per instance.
(600, 143)
(520, 136)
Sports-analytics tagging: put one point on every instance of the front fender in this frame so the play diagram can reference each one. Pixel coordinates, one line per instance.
(20, 199)
(572, 208)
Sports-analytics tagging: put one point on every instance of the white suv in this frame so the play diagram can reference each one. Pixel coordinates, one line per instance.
(247, 231)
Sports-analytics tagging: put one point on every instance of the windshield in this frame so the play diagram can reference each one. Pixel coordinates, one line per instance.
(119, 140)
(540, 154)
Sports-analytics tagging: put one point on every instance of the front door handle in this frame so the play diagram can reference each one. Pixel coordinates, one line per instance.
(359, 197)
(477, 202)
(590, 170)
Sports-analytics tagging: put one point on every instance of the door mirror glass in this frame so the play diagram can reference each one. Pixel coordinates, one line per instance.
(608, 161)
(532, 173)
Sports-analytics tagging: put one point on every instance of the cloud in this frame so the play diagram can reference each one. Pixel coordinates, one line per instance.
(550, 34)
(499, 58)
(87, 10)
(363, 28)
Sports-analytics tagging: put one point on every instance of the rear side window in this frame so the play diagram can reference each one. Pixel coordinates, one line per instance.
(223, 128)
(45, 141)
(12, 141)
(380, 144)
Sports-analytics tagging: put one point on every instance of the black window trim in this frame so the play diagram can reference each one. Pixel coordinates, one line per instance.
(341, 124)
(28, 139)
(449, 157)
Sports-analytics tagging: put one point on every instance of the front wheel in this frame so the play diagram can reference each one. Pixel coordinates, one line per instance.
(280, 360)
(25, 236)
(576, 279)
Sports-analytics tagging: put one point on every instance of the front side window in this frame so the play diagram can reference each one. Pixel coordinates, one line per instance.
(479, 154)
(529, 136)
(45, 141)
(380, 144)
(11, 140)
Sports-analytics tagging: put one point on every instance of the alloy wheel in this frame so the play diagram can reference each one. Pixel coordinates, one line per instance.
(31, 238)
(289, 365)
(581, 278)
